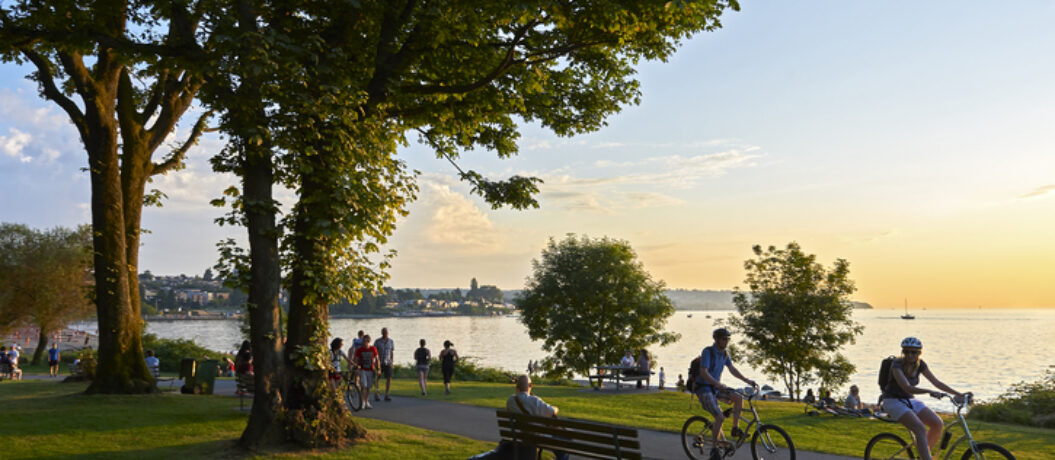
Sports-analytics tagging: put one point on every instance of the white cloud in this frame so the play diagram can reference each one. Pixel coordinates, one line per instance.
(456, 222)
(1039, 191)
(14, 145)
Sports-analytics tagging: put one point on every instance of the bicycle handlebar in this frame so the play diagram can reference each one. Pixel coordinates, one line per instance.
(963, 402)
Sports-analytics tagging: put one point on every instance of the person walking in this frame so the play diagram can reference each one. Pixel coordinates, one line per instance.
(366, 358)
(448, 356)
(898, 399)
(386, 349)
(709, 388)
(422, 358)
(53, 360)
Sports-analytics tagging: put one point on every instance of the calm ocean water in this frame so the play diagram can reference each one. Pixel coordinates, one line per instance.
(982, 350)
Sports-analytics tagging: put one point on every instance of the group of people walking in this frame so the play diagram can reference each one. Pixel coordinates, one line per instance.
(897, 400)
(374, 360)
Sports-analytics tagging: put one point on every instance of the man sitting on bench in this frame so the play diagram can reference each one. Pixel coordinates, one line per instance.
(524, 402)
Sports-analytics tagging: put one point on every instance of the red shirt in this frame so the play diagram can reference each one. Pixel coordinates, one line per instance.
(366, 355)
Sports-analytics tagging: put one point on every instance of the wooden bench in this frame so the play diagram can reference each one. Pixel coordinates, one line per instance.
(576, 437)
(76, 371)
(246, 386)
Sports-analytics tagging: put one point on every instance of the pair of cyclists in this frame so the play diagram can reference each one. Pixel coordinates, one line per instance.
(897, 400)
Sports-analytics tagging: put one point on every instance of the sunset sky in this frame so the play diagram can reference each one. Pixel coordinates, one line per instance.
(915, 140)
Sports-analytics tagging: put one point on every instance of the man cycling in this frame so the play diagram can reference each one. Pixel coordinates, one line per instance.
(709, 388)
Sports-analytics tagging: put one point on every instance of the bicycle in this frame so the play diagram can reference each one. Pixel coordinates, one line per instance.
(765, 443)
(353, 396)
(889, 446)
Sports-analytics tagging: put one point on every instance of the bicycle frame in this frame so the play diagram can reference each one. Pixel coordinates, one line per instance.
(946, 433)
(751, 423)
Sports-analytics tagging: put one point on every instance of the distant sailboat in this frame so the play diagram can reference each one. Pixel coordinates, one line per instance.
(907, 315)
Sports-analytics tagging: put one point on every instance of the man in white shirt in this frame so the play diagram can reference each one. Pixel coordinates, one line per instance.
(386, 349)
(525, 402)
(153, 363)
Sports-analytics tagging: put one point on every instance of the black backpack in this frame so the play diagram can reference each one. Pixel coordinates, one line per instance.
(694, 371)
(884, 372)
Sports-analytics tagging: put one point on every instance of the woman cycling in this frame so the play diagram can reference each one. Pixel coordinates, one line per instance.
(900, 404)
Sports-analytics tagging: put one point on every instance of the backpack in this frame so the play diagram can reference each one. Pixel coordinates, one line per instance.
(694, 371)
(884, 372)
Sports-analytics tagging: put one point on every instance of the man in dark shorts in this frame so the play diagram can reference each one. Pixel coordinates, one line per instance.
(386, 349)
(53, 360)
(709, 388)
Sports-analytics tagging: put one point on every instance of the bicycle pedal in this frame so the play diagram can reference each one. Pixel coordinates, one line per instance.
(727, 412)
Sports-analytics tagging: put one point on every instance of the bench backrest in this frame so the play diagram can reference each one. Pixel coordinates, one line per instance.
(577, 437)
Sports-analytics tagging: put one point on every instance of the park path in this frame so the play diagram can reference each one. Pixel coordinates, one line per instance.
(479, 423)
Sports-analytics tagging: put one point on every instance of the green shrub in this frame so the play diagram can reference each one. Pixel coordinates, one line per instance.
(469, 369)
(171, 351)
(1025, 403)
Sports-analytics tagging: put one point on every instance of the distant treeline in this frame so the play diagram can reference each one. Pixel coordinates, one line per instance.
(695, 299)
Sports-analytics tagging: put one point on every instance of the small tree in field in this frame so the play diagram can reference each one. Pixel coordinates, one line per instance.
(589, 300)
(795, 316)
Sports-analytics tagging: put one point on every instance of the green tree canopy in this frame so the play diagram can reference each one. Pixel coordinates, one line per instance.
(590, 300)
(45, 278)
(795, 317)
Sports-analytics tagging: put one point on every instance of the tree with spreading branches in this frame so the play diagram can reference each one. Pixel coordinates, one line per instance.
(320, 97)
(45, 279)
(124, 73)
(795, 314)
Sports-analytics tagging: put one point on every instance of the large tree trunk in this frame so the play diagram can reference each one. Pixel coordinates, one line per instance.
(247, 118)
(318, 415)
(42, 346)
(265, 330)
(121, 367)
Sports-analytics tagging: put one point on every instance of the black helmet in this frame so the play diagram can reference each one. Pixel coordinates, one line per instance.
(721, 333)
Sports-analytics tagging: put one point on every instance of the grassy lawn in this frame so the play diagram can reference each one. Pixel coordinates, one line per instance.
(44, 420)
(667, 411)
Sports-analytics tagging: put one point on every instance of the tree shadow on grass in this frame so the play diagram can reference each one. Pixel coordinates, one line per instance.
(223, 449)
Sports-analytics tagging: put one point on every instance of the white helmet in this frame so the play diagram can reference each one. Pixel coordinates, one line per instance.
(911, 342)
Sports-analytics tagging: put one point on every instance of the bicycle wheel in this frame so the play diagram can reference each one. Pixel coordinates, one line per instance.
(987, 451)
(771, 442)
(353, 397)
(888, 446)
(696, 438)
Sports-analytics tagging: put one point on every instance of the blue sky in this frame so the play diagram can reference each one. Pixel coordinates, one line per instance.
(912, 139)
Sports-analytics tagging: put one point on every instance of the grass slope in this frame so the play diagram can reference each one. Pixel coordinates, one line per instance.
(667, 411)
(49, 420)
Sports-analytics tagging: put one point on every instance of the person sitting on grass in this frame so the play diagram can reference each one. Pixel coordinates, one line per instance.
(153, 363)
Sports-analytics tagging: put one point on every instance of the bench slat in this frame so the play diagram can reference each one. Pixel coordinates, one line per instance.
(585, 450)
(570, 436)
(571, 423)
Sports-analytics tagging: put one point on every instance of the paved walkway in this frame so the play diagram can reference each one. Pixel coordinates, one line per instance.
(479, 423)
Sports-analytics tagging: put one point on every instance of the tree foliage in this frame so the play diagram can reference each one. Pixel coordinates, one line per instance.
(45, 279)
(318, 96)
(795, 316)
(590, 300)
(123, 72)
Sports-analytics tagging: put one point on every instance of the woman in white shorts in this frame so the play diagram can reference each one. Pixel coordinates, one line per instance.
(900, 404)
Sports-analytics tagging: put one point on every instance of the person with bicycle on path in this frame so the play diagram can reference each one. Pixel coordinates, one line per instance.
(900, 404)
(336, 353)
(709, 388)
